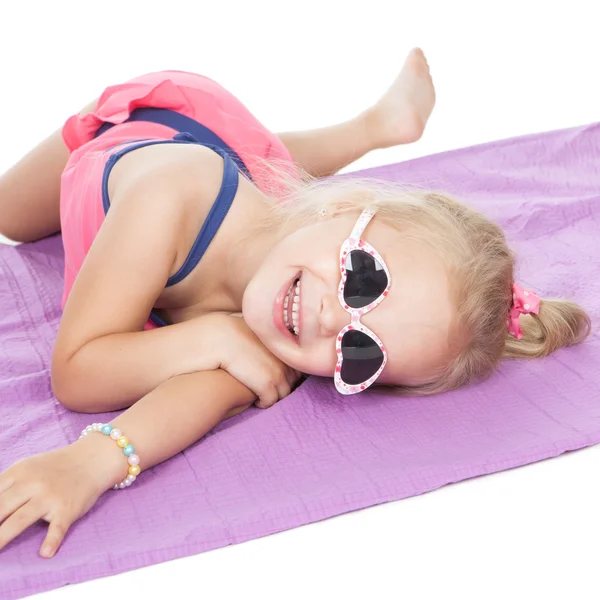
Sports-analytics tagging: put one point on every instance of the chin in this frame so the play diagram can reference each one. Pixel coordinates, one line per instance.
(278, 355)
(251, 311)
(258, 322)
(257, 325)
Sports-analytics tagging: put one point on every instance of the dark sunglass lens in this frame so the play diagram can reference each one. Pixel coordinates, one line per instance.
(362, 357)
(365, 279)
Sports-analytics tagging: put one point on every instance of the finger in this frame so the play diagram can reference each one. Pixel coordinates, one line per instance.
(289, 376)
(11, 500)
(19, 521)
(293, 376)
(6, 481)
(268, 397)
(283, 388)
(56, 534)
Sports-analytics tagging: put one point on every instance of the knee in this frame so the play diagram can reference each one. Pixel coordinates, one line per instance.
(11, 220)
(18, 231)
(12, 233)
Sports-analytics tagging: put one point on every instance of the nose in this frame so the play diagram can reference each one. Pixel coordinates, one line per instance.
(332, 317)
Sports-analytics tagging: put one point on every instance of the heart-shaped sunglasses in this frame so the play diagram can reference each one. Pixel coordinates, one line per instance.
(365, 282)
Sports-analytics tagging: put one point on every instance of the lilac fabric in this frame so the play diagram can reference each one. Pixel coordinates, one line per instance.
(317, 453)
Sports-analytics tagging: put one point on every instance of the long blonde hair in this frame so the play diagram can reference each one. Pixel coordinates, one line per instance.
(480, 265)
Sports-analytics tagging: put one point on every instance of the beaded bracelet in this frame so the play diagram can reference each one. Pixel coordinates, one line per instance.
(123, 443)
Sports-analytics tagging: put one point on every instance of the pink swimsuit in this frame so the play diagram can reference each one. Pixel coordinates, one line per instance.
(165, 107)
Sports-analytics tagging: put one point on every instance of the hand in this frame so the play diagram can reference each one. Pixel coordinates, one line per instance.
(246, 358)
(58, 486)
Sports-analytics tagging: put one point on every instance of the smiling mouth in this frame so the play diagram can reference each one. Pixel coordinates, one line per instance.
(291, 308)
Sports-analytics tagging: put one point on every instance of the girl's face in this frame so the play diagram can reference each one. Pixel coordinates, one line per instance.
(413, 321)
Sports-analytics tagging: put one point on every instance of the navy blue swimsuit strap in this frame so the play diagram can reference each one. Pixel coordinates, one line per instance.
(217, 213)
(182, 123)
(215, 217)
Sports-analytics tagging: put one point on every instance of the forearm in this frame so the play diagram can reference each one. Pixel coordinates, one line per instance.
(114, 371)
(167, 420)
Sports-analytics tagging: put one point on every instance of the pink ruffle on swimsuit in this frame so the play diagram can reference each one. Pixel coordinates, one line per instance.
(165, 107)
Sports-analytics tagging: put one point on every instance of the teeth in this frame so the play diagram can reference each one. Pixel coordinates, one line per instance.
(294, 297)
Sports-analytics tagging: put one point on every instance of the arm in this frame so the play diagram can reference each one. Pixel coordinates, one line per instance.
(114, 371)
(166, 421)
(61, 486)
(102, 359)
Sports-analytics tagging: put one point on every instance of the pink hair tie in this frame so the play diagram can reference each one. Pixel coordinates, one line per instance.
(524, 301)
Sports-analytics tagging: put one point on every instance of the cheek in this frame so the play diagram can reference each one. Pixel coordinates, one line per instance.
(319, 359)
(309, 247)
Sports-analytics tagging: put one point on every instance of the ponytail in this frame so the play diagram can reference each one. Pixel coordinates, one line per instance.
(559, 323)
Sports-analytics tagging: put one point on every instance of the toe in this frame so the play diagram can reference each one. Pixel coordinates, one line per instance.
(417, 55)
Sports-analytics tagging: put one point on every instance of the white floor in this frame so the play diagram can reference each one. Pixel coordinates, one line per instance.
(501, 69)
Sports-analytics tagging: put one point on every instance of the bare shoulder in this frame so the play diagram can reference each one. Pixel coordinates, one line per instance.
(187, 177)
(157, 201)
(181, 168)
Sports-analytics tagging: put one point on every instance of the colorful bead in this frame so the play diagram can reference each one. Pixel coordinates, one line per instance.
(133, 459)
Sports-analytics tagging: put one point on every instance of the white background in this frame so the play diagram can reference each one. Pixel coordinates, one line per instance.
(501, 69)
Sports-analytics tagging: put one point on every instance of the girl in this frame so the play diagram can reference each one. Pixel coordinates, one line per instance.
(180, 213)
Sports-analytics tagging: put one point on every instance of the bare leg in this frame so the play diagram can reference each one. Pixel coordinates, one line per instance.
(399, 117)
(30, 190)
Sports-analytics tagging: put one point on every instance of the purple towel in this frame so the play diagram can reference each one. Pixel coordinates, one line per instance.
(318, 454)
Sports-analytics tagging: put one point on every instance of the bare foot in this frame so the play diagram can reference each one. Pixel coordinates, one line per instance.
(400, 115)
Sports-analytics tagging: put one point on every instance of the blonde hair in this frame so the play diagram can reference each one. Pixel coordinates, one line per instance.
(480, 266)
